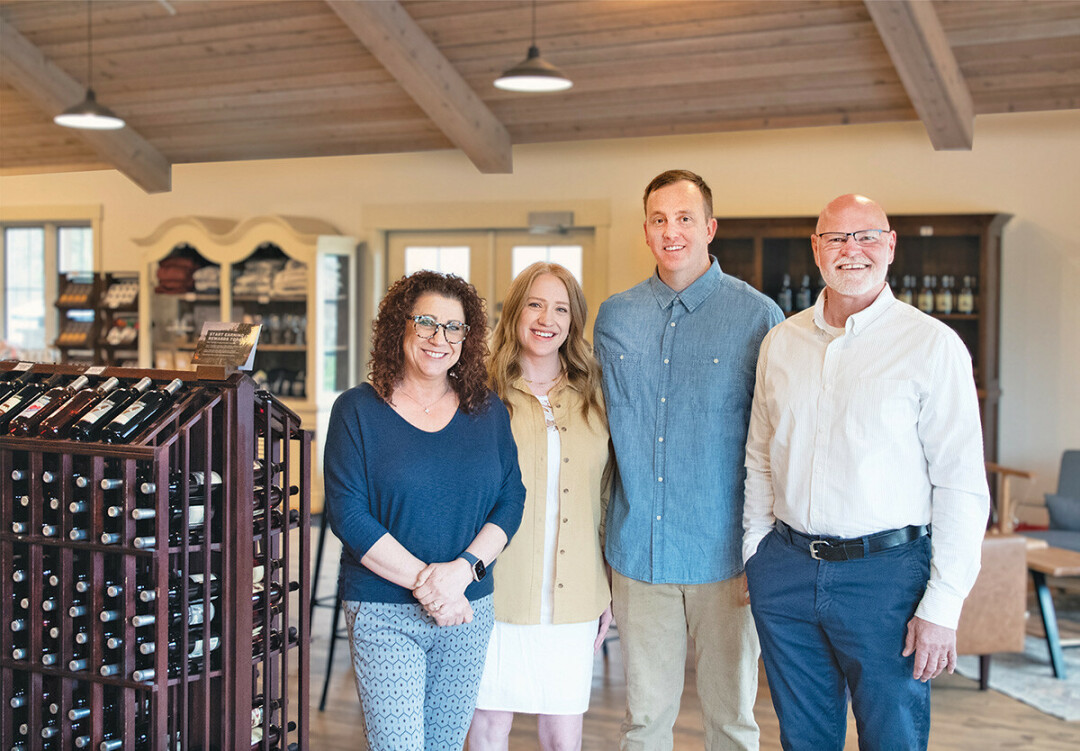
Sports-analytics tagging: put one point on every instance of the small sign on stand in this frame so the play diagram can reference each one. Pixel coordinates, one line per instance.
(230, 346)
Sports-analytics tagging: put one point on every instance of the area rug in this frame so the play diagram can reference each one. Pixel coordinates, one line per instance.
(1027, 676)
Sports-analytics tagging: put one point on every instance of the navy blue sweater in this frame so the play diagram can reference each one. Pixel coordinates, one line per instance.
(431, 491)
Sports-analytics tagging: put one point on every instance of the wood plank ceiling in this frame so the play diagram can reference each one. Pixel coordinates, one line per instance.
(218, 80)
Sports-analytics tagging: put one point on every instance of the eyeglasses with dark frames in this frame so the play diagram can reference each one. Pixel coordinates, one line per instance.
(864, 237)
(427, 327)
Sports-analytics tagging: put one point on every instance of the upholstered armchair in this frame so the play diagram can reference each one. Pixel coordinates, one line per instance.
(994, 613)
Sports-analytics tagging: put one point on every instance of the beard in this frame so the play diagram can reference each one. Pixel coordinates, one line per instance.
(855, 283)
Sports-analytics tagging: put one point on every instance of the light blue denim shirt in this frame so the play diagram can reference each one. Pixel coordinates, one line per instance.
(678, 370)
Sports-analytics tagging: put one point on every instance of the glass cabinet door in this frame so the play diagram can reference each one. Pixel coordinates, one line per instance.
(186, 294)
(334, 275)
(270, 288)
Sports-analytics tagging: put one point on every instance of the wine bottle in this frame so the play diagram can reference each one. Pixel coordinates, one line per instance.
(13, 381)
(273, 641)
(196, 614)
(925, 300)
(277, 520)
(194, 588)
(965, 302)
(907, 292)
(29, 420)
(273, 733)
(804, 297)
(943, 298)
(89, 426)
(58, 424)
(261, 709)
(17, 402)
(259, 595)
(113, 743)
(195, 653)
(783, 297)
(140, 413)
(196, 485)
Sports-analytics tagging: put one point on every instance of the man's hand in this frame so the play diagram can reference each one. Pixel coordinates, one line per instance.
(601, 632)
(934, 647)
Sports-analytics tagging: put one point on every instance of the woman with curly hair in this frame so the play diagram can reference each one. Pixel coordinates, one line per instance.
(552, 603)
(423, 488)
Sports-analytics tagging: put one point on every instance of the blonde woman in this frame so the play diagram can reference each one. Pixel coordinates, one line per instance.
(552, 599)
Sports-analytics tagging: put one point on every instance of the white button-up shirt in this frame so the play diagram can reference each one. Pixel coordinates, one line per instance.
(870, 429)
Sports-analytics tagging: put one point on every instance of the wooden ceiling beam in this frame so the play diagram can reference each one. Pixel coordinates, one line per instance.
(919, 49)
(395, 39)
(26, 68)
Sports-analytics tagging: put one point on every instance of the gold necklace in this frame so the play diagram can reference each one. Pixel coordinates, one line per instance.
(427, 409)
(549, 380)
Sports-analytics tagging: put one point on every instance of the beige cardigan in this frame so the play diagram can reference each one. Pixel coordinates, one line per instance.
(581, 586)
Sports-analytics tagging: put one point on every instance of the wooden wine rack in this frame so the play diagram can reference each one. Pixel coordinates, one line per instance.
(218, 423)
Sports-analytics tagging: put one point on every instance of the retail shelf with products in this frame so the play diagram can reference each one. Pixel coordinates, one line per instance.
(118, 313)
(296, 276)
(78, 327)
(147, 601)
(964, 248)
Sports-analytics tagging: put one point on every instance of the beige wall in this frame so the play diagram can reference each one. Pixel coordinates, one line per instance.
(1027, 165)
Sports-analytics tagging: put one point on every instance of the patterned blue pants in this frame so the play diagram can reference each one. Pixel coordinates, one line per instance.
(417, 682)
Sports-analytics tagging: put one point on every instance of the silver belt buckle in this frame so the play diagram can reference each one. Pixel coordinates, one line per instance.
(814, 550)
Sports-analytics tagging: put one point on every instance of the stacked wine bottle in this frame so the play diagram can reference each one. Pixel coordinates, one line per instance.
(145, 551)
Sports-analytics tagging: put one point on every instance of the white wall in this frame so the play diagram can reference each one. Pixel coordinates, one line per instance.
(1027, 165)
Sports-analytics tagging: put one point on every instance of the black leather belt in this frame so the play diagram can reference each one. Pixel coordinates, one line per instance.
(838, 549)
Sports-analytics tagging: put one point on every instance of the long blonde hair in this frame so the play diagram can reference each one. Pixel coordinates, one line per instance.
(575, 354)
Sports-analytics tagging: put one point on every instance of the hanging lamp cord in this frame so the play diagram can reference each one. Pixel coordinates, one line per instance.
(89, 48)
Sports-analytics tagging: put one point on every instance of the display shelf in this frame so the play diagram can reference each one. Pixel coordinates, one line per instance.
(296, 276)
(762, 250)
(79, 325)
(95, 536)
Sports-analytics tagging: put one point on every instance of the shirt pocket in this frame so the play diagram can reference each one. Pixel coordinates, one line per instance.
(880, 409)
(623, 378)
(709, 384)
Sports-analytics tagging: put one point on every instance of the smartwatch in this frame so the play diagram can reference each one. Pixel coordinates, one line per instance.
(479, 570)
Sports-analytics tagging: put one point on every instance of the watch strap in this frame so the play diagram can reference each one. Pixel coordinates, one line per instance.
(472, 561)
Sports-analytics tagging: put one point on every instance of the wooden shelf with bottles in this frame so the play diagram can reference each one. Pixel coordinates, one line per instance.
(761, 250)
(118, 313)
(79, 326)
(151, 603)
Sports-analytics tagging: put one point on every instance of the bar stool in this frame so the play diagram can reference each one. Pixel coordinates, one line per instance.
(336, 632)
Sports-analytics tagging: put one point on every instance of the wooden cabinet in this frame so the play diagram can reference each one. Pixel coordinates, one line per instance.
(296, 276)
(761, 251)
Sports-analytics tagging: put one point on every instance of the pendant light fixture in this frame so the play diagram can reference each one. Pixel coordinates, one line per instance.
(88, 114)
(534, 74)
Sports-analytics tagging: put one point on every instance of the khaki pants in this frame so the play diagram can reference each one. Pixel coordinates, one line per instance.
(653, 621)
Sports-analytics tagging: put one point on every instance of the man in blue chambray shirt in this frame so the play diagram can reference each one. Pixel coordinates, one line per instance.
(679, 353)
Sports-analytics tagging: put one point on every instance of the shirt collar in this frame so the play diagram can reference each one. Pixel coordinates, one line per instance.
(520, 384)
(697, 293)
(856, 322)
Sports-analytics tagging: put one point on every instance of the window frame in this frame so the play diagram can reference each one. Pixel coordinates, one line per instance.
(50, 219)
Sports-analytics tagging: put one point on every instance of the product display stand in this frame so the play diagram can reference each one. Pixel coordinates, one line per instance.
(156, 591)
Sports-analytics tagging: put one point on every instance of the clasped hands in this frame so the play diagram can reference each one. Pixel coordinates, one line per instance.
(440, 589)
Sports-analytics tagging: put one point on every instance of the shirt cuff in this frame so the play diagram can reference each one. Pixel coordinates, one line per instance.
(750, 544)
(940, 607)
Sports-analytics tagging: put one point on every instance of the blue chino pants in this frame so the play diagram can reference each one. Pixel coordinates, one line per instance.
(830, 629)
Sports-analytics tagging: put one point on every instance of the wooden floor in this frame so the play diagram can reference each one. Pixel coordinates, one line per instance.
(963, 718)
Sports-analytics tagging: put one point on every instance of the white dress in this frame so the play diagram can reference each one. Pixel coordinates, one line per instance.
(545, 668)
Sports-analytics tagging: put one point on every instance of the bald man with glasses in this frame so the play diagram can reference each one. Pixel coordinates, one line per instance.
(866, 498)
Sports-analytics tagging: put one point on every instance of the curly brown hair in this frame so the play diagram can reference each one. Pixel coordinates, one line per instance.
(468, 376)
